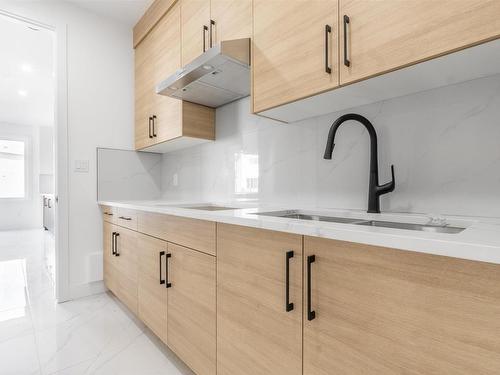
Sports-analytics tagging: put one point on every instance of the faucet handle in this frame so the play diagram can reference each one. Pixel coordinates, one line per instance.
(388, 187)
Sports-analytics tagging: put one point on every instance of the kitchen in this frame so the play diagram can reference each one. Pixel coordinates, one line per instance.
(300, 187)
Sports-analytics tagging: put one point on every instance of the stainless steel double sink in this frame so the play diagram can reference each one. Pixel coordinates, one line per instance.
(301, 215)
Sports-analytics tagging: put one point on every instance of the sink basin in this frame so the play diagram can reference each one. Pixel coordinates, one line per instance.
(296, 214)
(301, 215)
(411, 226)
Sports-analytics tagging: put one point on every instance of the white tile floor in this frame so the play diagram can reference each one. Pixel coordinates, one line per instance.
(93, 335)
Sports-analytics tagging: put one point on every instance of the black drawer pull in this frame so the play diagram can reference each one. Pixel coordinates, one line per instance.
(125, 218)
(328, 31)
(162, 281)
(167, 284)
(288, 304)
(212, 24)
(347, 62)
(154, 125)
(150, 125)
(113, 251)
(117, 254)
(205, 28)
(311, 314)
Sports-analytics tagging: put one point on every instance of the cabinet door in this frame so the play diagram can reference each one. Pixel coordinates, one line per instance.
(233, 19)
(390, 34)
(191, 308)
(256, 335)
(109, 260)
(387, 311)
(144, 91)
(167, 59)
(195, 14)
(292, 50)
(126, 264)
(152, 291)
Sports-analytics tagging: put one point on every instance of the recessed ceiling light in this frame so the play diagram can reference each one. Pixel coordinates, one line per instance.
(26, 68)
(22, 92)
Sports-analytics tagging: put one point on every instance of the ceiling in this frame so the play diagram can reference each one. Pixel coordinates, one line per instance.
(125, 11)
(26, 75)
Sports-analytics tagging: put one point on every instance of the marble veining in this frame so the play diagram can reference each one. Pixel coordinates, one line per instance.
(443, 143)
(93, 335)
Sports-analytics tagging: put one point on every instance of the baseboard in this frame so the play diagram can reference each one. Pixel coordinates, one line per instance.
(84, 290)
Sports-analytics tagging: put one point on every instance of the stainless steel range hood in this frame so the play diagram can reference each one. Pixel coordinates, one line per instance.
(217, 77)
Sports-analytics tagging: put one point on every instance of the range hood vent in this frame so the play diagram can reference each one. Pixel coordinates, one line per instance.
(217, 77)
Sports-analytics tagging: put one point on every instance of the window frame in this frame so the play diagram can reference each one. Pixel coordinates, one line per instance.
(27, 166)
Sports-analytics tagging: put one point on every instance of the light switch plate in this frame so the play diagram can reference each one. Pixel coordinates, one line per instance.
(82, 166)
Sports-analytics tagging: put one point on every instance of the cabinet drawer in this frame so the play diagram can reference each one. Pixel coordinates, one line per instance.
(107, 214)
(125, 218)
(192, 233)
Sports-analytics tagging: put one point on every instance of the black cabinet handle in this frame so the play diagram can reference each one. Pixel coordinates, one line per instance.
(125, 218)
(347, 62)
(113, 251)
(328, 31)
(48, 203)
(154, 127)
(311, 314)
(162, 281)
(288, 304)
(150, 121)
(205, 29)
(117, 254)
(212, 23)
(108, 214)
(44, 202)
(167, 284)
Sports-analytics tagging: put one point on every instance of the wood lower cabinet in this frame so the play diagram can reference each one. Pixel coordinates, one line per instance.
(120, 263)
(192, 308)
(152, 287)
(294, 56)
(110, 271)
(391, 34)
(386, 311)
(256, 335)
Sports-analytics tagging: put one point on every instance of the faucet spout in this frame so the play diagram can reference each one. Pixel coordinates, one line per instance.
(374, 189)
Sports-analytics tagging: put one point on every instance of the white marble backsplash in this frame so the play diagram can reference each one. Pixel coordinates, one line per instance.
(444, 143)
(125, 174)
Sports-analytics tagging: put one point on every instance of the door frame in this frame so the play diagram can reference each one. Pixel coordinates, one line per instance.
(61, 172)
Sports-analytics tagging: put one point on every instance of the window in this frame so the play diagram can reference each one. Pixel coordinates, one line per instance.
(12, 165)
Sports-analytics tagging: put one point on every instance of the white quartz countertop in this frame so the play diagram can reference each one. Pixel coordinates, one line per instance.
(480, 240)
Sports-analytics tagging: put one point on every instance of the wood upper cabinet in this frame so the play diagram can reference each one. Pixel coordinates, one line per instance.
(233, 19)
(195, 21)
(152, 290)
(386, 311)
(294, 54)
(390, 34)
(256, 335)
(192, 308)
(159, 120)
(144, 92)
(120, 263)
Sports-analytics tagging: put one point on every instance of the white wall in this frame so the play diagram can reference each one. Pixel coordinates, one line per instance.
(444, 144)
(100, 114)
(23, 213)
